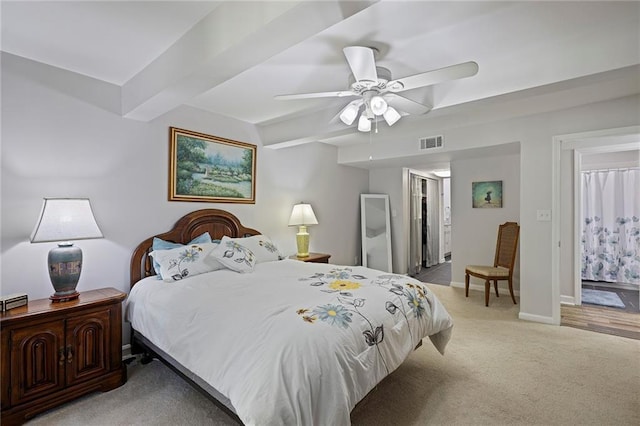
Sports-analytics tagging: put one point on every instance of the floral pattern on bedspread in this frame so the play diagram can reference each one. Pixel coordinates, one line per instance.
(310, 342)
(405, 296)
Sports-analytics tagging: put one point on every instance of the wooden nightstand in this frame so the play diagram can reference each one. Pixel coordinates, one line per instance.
(55, 352)
(313, 257)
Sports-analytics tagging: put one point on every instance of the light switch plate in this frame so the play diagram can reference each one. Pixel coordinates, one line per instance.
(543, 215)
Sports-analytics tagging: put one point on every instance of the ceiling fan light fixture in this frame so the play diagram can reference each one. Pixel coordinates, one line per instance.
(378, 105)
(364, 124)
(391, 116)
(349, 114)
(376, 91)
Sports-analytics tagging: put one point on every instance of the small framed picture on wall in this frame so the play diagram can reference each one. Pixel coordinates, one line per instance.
(486, 195)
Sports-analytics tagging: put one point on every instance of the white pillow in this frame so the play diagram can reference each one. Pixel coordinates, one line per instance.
(186, 261)
(234, 255)
(262, 247)
(160, 244)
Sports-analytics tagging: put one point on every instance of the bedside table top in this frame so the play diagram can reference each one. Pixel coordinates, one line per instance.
(313, 257)
(39, 306)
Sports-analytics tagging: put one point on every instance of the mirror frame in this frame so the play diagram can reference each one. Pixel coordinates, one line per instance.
(363, 227)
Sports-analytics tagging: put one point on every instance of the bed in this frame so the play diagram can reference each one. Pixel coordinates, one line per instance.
(270, 339)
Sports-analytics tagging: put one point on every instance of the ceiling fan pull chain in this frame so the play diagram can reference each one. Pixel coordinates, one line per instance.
(370, 137)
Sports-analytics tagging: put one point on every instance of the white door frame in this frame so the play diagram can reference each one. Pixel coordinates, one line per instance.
(599, 141)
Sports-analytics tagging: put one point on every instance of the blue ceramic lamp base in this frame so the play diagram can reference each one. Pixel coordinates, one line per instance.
(65, 265)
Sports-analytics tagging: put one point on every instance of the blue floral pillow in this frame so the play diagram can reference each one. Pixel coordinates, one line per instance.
(234, 256)
(186, 261)
(160, 244)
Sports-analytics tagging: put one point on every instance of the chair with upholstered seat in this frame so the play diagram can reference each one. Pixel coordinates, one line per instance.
(503, 262)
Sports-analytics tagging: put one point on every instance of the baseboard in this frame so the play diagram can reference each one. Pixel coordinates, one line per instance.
(456, 284)
(522, 315)
(126, 351)
(480, 287)
(536, 318)
(567, 300)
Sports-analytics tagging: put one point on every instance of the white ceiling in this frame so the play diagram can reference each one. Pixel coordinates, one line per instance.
(232, 58)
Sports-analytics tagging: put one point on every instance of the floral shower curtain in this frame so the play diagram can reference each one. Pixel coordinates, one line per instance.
(611, 225)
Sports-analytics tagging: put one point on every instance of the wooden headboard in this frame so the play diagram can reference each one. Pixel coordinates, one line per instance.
(217, 223)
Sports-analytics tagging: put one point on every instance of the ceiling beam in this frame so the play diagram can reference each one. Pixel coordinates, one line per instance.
(234, 37)
(319, 125)
(307, 127)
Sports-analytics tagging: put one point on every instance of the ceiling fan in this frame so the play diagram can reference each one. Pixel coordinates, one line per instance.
(377, 92)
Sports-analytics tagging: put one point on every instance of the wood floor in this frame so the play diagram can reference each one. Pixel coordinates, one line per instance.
(601, 320)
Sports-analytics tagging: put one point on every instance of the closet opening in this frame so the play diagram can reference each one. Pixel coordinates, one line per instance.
(430, 230)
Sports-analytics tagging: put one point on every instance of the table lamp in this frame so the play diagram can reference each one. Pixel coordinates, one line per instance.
(302, 216)
(63, 220)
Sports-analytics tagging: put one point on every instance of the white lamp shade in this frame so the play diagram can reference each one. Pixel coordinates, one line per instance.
(391, 116)
(65, 219)
(350, 112)
(302, 214)
(364, 125)
(378, 105)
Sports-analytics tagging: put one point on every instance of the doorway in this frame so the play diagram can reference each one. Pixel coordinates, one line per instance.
(567, 201)
(609, 216)
(424, 237)
(430, 230)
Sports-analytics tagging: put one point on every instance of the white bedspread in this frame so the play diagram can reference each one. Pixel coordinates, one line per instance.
(291, 343)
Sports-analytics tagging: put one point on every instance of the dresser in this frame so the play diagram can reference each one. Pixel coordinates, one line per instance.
(55, 352)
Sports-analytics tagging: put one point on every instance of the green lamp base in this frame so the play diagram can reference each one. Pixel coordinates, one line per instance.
(302, 239)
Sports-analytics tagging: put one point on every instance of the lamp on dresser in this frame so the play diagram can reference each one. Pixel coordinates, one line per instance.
(302, 216)
(63, 220)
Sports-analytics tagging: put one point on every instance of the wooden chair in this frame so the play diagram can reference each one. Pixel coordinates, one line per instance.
(502, 268)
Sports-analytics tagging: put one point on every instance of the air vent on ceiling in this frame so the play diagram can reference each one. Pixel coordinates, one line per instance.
(431, 142)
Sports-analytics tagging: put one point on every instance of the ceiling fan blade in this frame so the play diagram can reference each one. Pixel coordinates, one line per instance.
(338, 94)
(362, 63)
(453, 72)
(406, 105)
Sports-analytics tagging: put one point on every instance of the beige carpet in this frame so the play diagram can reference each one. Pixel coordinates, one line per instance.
(498, 370)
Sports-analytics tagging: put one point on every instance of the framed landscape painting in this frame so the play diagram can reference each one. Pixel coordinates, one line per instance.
(487, 194)
(210, 169)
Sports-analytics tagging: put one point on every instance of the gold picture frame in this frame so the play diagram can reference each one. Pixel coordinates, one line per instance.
(208, 168)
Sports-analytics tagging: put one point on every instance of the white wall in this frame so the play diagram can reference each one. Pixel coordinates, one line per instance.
(610, 160)
(56, 145)
(390, 181)
(535, 134)
(475, 230)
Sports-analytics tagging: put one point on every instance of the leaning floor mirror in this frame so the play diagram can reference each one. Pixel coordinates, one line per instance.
(376, 231)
